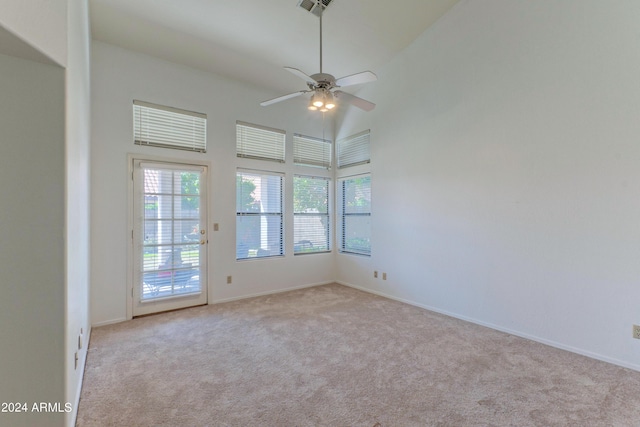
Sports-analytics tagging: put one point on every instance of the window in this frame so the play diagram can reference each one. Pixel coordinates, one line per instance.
(259, 142)
(308, 151)
(354, 150)
(258, 214)
(168, 262)
(310, 215)
(168, 127)
(355, 214)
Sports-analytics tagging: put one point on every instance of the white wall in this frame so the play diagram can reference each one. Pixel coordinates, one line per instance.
(45, 229)
(78, 119)
(31, 238)
(505, 172)
(42, 23)
(120, 76)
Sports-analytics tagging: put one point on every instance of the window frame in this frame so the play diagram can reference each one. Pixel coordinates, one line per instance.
(312, 152)
(354, 150)
(343, 215)
(161, 126)
(260, 142)
(327, 216)
(265, 215)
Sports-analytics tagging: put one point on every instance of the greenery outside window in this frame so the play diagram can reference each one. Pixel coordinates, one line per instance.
(259, 216)
(310, 215)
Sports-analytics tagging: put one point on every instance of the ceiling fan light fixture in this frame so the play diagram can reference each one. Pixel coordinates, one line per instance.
(312, 107)
(330, 102)
(317, 100)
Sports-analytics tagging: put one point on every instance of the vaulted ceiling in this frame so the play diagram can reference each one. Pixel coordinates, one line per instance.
(251, 40)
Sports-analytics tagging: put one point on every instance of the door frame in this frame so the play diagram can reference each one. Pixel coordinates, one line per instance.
(131, 159)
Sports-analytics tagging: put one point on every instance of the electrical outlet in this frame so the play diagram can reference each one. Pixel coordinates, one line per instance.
(384, 276)
(229, 280)
(375, 274)
(216, 227)
(636, 331)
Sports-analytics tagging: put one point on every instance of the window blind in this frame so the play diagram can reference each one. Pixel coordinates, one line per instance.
(259, 142)
(259, 216)
(355, 214)
(309, 151)
(354, 150)
(310, 215)
(168, 127)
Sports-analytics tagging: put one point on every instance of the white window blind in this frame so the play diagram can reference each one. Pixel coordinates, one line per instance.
(259, 142)
(259, 216)
(168, 127)
(354, 214)
(310, 215)
(309, 151)
(354, 150)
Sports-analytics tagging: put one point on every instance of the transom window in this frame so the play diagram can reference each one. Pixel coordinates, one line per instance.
(354, 150)
(259, 142)
(309, 151)
(168, 127)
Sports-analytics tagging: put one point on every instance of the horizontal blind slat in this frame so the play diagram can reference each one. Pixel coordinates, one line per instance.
(259, 142)
(355, 214)
(169, 127)
(259, 216)
(308, 151)
(311, 221)
(354, 150)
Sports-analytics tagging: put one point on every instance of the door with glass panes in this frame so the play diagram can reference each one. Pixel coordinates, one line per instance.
(169, 236)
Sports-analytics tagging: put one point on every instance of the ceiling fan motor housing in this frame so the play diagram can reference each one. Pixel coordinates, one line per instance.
(314, 6)
(323, 80)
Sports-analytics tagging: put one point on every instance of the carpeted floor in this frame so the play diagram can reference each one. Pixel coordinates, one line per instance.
(335, 356)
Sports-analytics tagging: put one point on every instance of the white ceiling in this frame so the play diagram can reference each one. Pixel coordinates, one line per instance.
(251, 40)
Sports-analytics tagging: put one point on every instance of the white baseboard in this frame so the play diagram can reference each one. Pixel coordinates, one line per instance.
(582, 352)
(109, 322)
(220, 301)
(72, 416)
(277, 291)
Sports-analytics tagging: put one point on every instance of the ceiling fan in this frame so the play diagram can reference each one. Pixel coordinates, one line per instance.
(325, 87)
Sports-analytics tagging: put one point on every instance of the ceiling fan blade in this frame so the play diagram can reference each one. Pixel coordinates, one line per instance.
(282, 98)
(354, 79)
(354, 100)
(301, 74)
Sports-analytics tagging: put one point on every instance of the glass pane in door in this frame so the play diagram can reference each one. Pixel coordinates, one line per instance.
(172, 233)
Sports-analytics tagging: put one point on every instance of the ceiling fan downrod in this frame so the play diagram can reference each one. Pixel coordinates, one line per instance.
(321, 10)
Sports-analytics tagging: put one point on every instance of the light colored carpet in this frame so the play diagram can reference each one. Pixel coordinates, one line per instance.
(335, 356)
